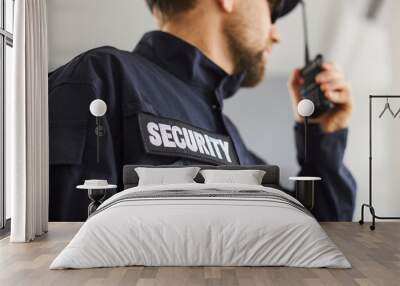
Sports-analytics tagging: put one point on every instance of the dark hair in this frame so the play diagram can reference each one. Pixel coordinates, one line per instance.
(171, 7)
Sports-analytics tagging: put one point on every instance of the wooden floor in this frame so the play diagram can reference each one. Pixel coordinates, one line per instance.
(375, 257)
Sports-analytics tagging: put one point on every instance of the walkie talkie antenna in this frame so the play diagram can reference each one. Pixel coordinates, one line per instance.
(305, 30)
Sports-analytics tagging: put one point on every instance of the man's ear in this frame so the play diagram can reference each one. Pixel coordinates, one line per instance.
(227, 5)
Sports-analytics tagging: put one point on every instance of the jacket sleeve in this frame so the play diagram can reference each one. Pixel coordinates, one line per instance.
(335, 194)
(72, 150)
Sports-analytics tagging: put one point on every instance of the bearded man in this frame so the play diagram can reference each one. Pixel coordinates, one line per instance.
(165, 103)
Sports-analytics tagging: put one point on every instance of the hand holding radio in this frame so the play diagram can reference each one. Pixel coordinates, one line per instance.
(334, 88)
(323, 84)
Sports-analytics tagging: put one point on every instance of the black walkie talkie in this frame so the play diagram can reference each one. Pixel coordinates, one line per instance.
(310, 89)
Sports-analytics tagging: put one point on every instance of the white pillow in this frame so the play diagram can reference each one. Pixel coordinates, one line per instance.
(248, 177)
(163, 176)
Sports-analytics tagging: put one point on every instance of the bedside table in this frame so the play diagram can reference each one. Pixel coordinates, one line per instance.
(97, 190)
(305, 189)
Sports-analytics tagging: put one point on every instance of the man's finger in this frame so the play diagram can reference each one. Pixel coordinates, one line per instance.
(328, 66)
(294, 84)
(339, 85)
(295, 79)
(338, 97)
(328, 76)
(331, 66)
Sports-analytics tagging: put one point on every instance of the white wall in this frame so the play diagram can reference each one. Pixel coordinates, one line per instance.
(76, 26)
(367, 50)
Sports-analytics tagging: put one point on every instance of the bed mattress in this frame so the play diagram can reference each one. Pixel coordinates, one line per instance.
(201, 225)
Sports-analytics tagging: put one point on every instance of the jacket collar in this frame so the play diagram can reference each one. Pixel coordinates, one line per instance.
(188, 63)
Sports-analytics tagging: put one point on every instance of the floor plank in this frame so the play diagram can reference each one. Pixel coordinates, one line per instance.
(375, 257)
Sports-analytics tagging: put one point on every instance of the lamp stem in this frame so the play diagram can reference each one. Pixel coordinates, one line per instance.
(306, 141)
(98, 140)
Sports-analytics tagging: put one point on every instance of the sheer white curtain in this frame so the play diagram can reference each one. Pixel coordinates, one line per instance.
(27, 124)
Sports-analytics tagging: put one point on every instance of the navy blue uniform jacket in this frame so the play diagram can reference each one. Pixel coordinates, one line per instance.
(170, 87)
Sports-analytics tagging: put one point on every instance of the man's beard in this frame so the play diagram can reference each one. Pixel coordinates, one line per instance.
(245, 59)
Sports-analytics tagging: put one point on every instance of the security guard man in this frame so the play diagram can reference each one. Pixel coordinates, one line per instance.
(165, 103)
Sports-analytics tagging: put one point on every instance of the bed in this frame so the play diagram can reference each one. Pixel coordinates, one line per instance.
(201, 224)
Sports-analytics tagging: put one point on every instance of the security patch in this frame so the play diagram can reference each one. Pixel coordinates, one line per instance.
(163, 136)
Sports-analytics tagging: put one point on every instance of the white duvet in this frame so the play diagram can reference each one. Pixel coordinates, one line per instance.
(183, 231)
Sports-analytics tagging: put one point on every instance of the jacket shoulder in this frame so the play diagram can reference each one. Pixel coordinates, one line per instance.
(92, 66)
